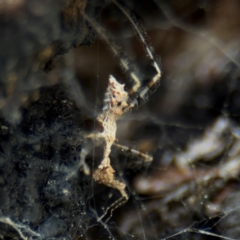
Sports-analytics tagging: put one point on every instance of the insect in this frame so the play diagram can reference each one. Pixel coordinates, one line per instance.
(117, 101)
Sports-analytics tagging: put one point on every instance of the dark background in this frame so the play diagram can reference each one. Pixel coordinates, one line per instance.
(54, 71)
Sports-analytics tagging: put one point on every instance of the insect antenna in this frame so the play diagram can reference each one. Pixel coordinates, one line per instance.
(150, 53)
(125, 65)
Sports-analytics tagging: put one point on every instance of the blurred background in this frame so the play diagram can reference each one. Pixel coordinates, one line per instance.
(54, 71)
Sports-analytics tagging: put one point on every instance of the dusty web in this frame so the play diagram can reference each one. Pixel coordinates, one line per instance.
(174, 161)
(190, 125)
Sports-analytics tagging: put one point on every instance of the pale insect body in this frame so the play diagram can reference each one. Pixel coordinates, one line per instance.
(116, 103)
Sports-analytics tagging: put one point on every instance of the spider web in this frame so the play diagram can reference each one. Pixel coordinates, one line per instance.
(189, 125)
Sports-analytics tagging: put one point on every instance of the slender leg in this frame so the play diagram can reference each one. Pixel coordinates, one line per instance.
(146, 157)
